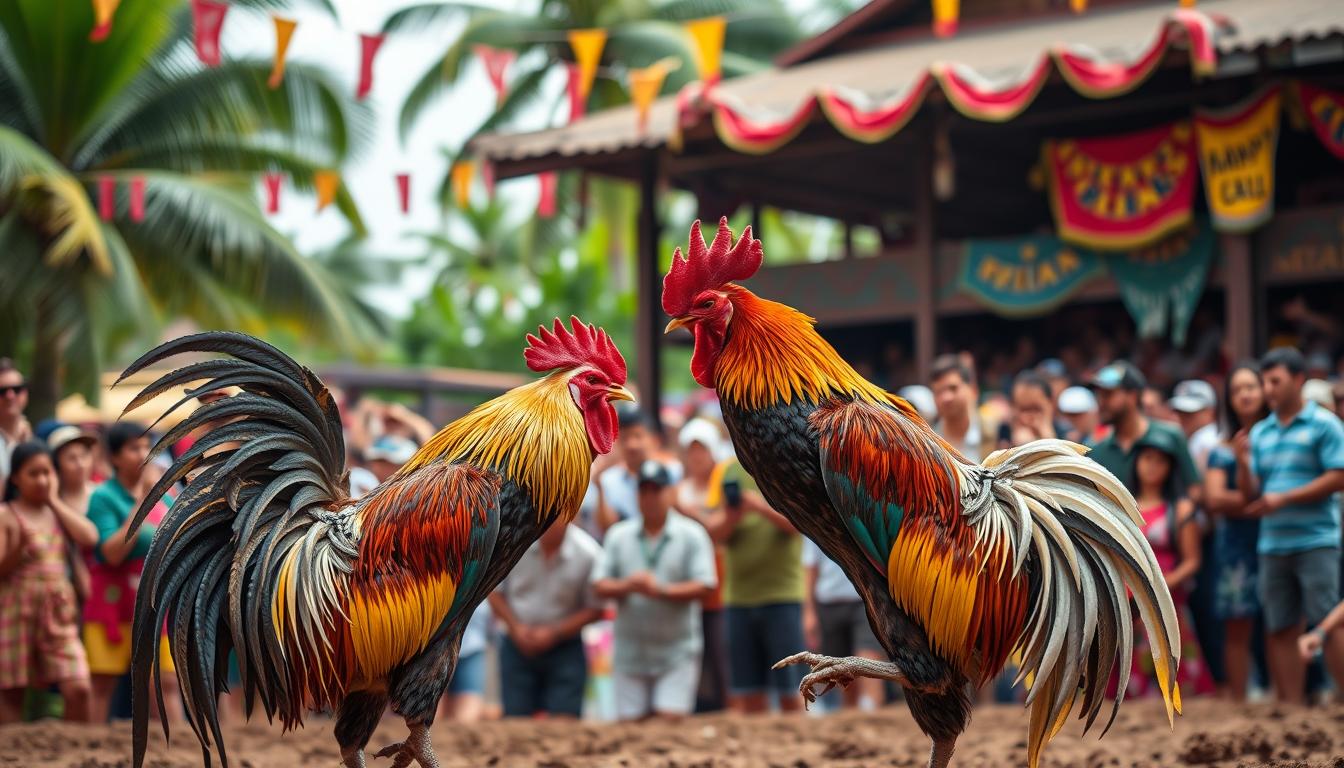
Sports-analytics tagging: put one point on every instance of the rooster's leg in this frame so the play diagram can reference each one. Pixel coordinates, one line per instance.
(941, 754)
(830, 672)
(416, 747)
(355, 722)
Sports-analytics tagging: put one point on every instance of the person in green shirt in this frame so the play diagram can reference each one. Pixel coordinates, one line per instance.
(763, 590)
(1119, 387)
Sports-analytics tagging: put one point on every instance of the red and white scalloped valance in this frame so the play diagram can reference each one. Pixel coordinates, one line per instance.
(863, 118)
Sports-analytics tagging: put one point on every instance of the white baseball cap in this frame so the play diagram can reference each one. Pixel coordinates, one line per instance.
(1076, 400)
(1193, 396)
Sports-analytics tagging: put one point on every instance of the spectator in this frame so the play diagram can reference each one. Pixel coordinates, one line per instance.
(958, 422)
(72, 454)
(14, 428)
(763, 591)
(1053, 371)
(1170, 528)
(115, 571)
(1313, 642)
(1033, 414)
(1235, 535)
(835, 622)
(544, 604)
(1154, 405)
(657, 565)
(38, 610)
(1193, 402)
(387, 455)
(1290, 464)
(617, 487)
(1320, 392)
(1078, 406)
(921, 397)
(701, 445)
(1118, 387)
(464, 699)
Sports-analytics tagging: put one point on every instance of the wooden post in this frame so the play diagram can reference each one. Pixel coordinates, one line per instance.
(923, 272)
(649, 320)
(1238, 295)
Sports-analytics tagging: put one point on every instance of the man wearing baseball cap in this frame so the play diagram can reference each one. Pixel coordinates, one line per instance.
(1118, 388)
(1194, 402)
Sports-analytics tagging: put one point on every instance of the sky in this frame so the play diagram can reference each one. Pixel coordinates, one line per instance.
(403, 57)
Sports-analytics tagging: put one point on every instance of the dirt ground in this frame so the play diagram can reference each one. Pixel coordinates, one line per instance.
(1211, 734)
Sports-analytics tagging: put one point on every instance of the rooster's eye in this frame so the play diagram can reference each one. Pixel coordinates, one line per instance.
(592, 379)
(707, 303)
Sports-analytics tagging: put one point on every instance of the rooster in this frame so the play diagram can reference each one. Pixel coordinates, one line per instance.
(961, 567)
(342, 605)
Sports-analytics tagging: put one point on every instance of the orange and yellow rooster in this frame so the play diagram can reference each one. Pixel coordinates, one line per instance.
(345, 605)
(1029, 555)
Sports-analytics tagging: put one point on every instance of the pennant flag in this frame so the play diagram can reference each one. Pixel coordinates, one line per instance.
(368, 48)
(708, 36)
(587, 45)
(103, 10)
(284, 30)
(578, 105)
(945, 16)
(496, 62)
(645, 84)
(272, 182)
(1078, 6)
(1325, 112)
(1236, 153)
(404, 191)
(208, 20)
(138, 198)
(488, 178)
(1122, 192)
(107, 197)
(546, 203)
(462, 172)
(326, 182)
(1187, 3)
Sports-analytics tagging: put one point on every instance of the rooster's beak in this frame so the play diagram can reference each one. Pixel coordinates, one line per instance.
(678, 322)
(617, 392)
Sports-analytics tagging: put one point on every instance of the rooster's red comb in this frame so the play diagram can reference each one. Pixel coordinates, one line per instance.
(707, 267)
(585, 345)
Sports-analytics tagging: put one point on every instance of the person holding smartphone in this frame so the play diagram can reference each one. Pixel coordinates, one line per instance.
(763, 591)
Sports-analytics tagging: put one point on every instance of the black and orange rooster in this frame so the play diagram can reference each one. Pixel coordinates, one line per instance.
(1027, 556)
(342, 605)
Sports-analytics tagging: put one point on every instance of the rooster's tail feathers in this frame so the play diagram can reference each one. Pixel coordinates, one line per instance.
(257, 484)
(1077, 532)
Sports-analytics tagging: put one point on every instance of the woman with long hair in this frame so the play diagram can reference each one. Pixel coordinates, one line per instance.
(1236, 602)
(39, 615)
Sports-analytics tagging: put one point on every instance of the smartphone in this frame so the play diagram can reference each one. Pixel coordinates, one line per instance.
(732, 494)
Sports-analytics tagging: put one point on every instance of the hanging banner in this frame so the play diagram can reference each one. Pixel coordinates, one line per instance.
(1161, 284)
(107, 197)
(1236, 154)
(207, 18)
(708, 37)
(326, 183)
(645, 84)
(272, 181)
(496, 62)
(1025, 276)
(461, 175)
(587, 45)
(578, 105)
(1325, 112)
(1122, 192)
(945, 17)
(284, 30)
(137, 199)
(368, 48)
(546, 203)
(404, 191)
(103, 11)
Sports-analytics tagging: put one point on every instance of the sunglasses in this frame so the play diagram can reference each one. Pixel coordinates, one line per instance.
(13, 389)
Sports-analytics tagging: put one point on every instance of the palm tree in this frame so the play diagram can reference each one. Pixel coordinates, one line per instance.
(138, 105)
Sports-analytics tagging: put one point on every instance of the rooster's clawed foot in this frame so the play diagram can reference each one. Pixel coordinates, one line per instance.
(830, 671)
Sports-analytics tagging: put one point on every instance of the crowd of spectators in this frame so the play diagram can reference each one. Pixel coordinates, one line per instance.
(677, 586)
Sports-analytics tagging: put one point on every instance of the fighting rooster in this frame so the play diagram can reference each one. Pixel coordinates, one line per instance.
(1029, 555)
(342, 605)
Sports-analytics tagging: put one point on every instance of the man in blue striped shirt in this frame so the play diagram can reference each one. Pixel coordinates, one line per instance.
(1290, 465)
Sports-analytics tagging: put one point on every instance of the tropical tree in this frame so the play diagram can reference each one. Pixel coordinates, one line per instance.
(138, 105)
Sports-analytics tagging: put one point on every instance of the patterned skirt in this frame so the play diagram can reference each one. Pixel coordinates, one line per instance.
(39, 632)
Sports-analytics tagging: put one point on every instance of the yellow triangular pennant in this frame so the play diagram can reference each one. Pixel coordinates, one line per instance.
(284, 30)
(708, 36)
(587, 45)
(461, 180)
(326, 183)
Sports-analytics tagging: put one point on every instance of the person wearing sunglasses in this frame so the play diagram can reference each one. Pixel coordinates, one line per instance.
(14, 428)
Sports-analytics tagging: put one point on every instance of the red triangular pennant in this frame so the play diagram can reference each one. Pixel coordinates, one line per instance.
(138, 198)
(208, 19)
(368, 48)
(272, 182)
(107, 197)
(546, 203)
(404, 191)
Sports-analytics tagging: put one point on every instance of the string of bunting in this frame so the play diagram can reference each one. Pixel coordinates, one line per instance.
(947, 14)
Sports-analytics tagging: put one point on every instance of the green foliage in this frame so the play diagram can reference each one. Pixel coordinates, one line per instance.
(138, 104)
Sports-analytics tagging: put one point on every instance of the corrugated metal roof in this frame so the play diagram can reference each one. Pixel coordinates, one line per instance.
(998, 54)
